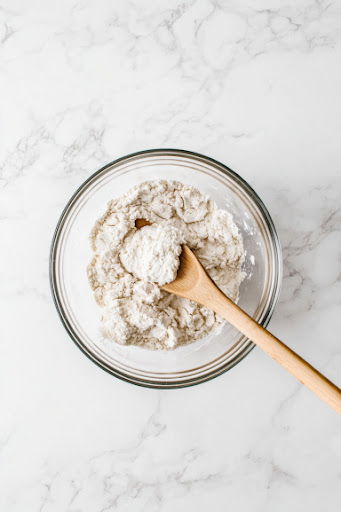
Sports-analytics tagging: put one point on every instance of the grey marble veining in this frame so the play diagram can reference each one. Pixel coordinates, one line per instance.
(253, 84)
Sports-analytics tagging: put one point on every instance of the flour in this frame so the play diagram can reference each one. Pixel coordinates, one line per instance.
(129, 264)
(152, 253)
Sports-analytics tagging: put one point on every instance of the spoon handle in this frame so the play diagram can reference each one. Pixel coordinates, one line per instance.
(286, 357)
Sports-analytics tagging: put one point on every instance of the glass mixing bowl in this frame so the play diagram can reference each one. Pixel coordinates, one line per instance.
(70, 255)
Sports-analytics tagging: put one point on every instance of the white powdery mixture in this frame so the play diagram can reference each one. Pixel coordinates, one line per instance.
(152, 253)
(129, 265)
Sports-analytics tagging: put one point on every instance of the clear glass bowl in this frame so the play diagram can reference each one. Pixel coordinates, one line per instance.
(70, 255)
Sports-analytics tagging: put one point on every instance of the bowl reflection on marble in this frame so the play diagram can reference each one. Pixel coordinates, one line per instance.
(70, 255)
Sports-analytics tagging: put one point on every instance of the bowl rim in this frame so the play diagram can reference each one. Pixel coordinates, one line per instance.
(248, 345)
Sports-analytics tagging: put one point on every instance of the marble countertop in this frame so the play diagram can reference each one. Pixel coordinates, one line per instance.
(254, 84)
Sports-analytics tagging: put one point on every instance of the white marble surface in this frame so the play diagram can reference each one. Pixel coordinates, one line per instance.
(253, 83)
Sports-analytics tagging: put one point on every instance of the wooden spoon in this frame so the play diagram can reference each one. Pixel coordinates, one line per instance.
(192, 282)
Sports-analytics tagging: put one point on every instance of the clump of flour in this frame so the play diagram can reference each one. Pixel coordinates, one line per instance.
(152, 253)
(130, 265)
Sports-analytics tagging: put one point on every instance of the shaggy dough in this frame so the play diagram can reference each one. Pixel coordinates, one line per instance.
(129, 264)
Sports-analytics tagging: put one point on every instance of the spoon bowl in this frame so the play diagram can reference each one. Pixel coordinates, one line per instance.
(194, 363)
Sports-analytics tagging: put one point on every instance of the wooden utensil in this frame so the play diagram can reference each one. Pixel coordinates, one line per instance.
(192, 282)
